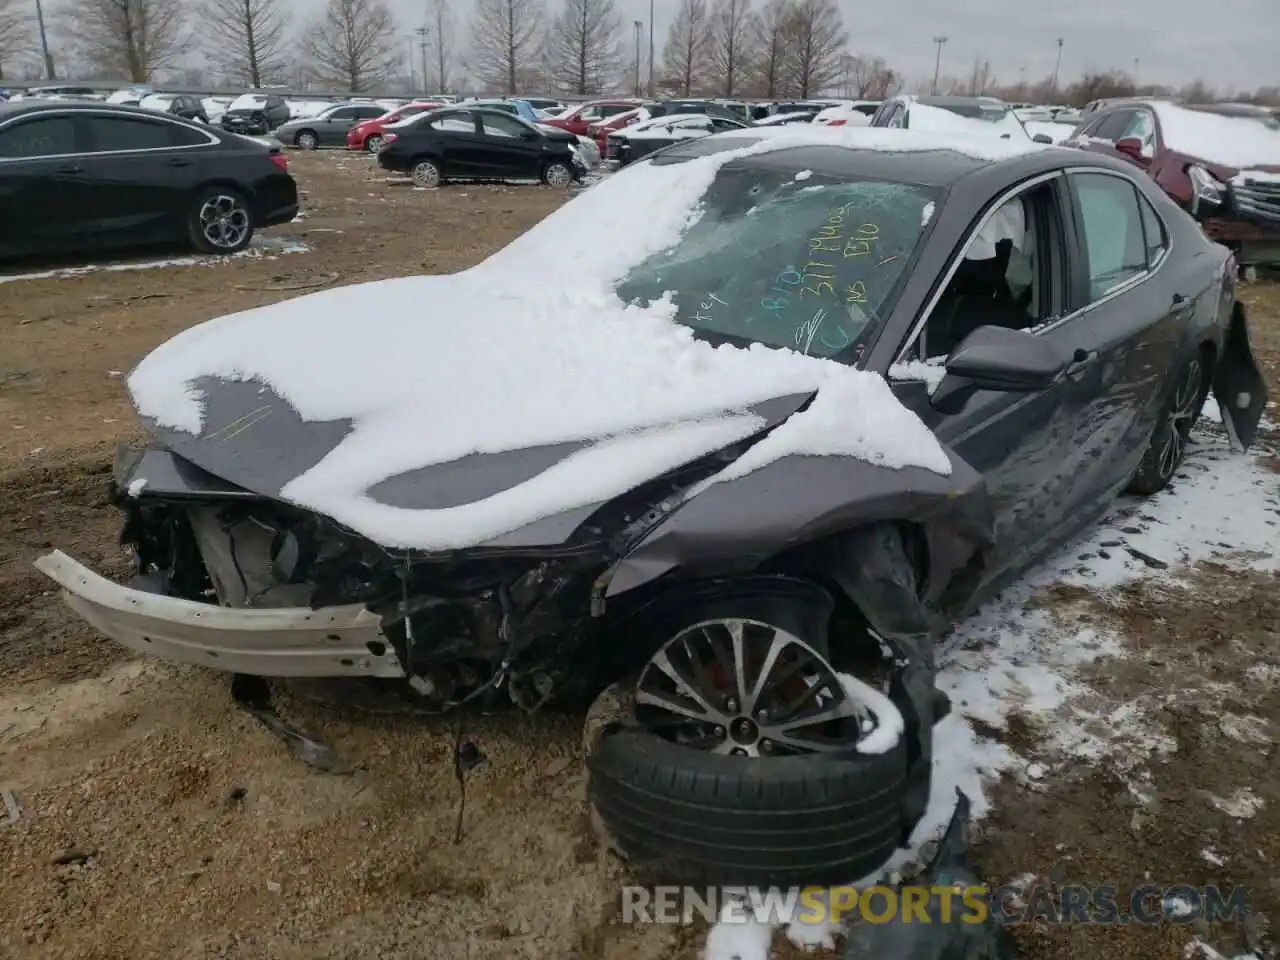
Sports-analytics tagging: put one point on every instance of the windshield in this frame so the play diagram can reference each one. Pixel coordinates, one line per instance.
(791, 260)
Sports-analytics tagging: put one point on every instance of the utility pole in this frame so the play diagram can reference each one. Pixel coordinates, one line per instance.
(636, 86)
(1057, 67)
(937, 63)
(44, 44)
(440, 49)
(413, 73)
(423, 33)
(650, 93)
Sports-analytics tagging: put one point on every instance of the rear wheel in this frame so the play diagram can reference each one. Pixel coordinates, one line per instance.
(1169, 441)
(220, 221)
(734, 758)
(373, 143)
(426, 173)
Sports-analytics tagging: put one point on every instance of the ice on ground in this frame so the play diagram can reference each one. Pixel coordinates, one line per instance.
(531, 347)
(260, 248)
(1239, 142)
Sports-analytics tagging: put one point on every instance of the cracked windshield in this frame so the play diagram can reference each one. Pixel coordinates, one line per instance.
(790, 260)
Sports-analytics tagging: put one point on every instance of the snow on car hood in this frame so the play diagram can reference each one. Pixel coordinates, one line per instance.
(531, 348)
(1238, 142)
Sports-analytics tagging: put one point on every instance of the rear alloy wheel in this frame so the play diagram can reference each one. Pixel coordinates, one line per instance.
(557, 175)
(220, 221)
(373, 144)
(306, 140)
(1173, 430)
(425, 173)
(734, 760)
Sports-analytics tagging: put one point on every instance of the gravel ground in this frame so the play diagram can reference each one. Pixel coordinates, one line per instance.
(160, 821)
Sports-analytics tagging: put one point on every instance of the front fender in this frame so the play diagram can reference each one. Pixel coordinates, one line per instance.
(734, 525)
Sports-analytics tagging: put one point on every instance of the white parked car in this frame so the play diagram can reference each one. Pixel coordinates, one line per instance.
(856, 113)
(643, 138)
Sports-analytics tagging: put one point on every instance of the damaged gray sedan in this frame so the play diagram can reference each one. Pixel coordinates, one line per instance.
(793, 406)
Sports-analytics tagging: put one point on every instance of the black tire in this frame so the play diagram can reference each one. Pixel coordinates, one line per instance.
(306, 140)
(679, 814)
(557, 174)
(235, 218)
(1173, 427)
(426, 173)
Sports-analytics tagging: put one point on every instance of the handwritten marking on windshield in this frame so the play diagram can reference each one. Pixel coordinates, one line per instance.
(809, 329)
(888, 259)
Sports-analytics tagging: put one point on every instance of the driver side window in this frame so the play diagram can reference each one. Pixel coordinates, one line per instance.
(1012, 274)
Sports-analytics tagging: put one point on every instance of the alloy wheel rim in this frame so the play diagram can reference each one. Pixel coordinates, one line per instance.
(373, 144)
(307, 141)
(426, 175)
(1182, 411)
(558, 175)
(744, 688)
(224, 222)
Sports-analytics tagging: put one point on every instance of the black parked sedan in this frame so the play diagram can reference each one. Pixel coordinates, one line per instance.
(997, 342)
(79, 177)
(255, 114)
(480, 144)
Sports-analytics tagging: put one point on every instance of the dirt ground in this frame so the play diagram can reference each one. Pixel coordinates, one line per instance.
(158, 820)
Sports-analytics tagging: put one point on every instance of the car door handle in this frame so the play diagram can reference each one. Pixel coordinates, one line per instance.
(179, 162)
(70, 168)
(1080, 362)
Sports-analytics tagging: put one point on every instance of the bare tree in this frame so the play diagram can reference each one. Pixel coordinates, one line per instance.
(1197, 91)
(1095, 86)
(684, 54)
(819, 40)
(731, 43)
(584, 55)
(442, 35)
(981, 79)
(129, 39)
(872, 78)
(15, 32)
(353, 44)
(774, 49)
(508, 39)
(246, 39)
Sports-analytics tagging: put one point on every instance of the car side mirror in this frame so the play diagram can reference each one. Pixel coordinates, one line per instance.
(1131, 147)
(1042, 138)
(997, 358)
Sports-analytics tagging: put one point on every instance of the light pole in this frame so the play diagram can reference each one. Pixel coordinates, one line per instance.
(423, 33)
(636, 85)
(650, 49)
(44, 43)
(413, 74)
(937, 63)
(1057, 67)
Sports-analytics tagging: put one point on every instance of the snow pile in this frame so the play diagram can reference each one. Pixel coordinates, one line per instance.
(534, 347)
(1230, 141)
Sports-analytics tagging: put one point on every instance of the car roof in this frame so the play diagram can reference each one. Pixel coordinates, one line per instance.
(958, 101)
(15, 108)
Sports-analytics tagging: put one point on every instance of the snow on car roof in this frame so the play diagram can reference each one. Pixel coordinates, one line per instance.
(531, 347)
(1231, 141)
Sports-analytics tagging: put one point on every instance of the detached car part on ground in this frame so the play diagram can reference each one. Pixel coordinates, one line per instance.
(1221, 167)
(79, 177)
(763, 631)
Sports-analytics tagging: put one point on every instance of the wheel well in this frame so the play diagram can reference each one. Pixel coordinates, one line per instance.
(239, 188)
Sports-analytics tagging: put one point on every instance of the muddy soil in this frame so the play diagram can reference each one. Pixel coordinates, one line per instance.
(158, 820)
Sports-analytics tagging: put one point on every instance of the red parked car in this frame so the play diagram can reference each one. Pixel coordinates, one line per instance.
(368, 135)
(600, 131)
(582, 116)
(1220, 164)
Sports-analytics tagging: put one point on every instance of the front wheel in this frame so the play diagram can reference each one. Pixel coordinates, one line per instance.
(1168, 444)
(306, 140)
(740, 756)
(557, 174)
(220, 221)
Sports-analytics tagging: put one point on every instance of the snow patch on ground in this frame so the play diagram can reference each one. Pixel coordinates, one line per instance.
(260, 248)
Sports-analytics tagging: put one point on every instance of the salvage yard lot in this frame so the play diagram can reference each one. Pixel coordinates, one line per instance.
(158, 820)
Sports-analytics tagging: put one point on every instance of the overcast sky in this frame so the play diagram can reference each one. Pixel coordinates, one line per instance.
(1228, 43)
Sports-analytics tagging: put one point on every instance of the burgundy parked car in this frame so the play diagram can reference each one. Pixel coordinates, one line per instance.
(580, 117)
(1219, 164)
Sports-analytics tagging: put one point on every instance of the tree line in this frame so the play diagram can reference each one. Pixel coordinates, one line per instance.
(772, 49)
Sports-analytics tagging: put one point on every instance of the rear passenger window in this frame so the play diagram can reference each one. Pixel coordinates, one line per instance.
(39, 137)
(1112, 222)
(1153, 229)
(108, 134)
